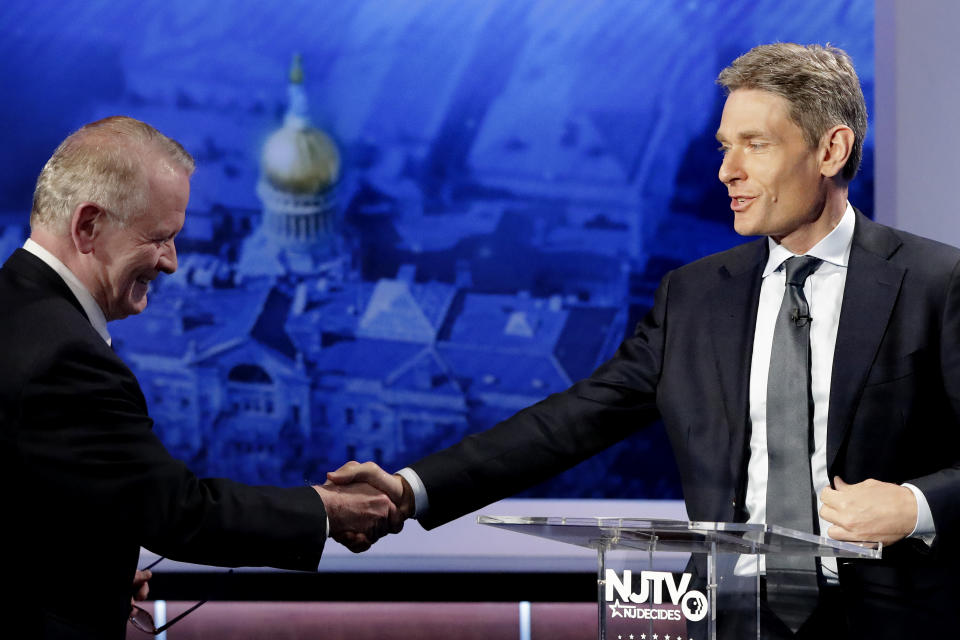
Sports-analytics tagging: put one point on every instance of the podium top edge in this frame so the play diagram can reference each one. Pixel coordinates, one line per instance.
(631, 523)
(660, 526)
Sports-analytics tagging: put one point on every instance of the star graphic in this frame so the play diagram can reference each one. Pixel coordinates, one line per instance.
(666, 637)
(643, 636)
(615, 611)
(655, 636)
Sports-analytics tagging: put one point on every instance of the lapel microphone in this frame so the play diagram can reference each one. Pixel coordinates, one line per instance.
(800, 319)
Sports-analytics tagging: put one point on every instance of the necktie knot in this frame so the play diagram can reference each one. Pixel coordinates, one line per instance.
(799, 269)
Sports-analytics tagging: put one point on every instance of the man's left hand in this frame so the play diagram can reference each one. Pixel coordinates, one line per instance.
(140, 585)
(871, 511)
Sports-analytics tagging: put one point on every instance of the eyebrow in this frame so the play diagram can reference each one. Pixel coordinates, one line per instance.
(746, 135)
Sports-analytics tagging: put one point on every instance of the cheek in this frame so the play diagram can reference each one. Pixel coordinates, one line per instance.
(781, 185)
(146, 261)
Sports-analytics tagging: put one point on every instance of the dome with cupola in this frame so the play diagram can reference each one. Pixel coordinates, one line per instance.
(298, 185)
(298, 157)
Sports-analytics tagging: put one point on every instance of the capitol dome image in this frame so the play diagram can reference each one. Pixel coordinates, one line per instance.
(300, 169)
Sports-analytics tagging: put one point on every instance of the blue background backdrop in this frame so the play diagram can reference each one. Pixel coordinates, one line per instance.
(512, 180)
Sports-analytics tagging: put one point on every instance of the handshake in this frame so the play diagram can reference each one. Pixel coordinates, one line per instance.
(364, 503)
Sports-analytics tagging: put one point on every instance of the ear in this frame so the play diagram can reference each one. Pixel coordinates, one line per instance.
(835, 150)
(86, 224)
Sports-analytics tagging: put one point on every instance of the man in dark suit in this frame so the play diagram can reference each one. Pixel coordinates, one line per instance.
(86, 481)
(864, 405)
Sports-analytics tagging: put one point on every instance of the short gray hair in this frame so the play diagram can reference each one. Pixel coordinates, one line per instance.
(102, 162)
(819, 82)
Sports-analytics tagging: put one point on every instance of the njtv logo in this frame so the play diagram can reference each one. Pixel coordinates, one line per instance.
(652, 586)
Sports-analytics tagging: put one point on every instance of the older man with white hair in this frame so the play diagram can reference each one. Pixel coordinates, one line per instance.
(87, 482)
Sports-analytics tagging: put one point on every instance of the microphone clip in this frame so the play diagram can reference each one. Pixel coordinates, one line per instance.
(800, 319)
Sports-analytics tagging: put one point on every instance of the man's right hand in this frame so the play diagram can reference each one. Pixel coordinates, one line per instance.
(392, 485)
(359, 514)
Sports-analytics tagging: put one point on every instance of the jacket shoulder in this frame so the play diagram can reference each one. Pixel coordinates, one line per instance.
(917, 254)
(732, 261)
(41, 323)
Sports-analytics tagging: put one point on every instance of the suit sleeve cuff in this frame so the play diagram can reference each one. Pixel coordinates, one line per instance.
(420, 502)
(924, 527)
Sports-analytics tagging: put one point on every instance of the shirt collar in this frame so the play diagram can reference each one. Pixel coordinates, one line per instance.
(90, 306)
(833, 248)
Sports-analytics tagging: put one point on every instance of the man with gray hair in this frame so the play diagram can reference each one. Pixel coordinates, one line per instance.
(810, 378)
(88, 483)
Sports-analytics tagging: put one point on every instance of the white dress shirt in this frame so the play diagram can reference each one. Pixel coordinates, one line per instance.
(824, 293)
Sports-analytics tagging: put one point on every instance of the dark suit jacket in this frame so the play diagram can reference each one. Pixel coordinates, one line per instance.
(894, 400)
(86, 482)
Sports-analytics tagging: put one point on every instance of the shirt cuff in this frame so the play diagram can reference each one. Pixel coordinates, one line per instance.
(924, 528)
(420, 502)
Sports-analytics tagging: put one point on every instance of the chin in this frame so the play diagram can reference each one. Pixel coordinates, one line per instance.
(134, 308)
(745, 229)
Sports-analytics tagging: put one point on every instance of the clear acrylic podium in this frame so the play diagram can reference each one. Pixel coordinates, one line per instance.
(635, 601)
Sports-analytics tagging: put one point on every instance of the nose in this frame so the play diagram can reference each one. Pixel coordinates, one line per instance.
(731, 169)
(168, 258)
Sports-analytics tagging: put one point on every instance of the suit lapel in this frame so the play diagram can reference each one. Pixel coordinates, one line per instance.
(734, 309)
(871, 290)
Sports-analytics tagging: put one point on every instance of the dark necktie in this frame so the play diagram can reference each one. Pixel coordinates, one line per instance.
(791, 580)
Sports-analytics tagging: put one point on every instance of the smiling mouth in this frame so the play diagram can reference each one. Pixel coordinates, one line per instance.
(740, 203)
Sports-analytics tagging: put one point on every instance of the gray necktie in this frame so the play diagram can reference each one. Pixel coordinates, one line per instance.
(791, 580)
